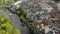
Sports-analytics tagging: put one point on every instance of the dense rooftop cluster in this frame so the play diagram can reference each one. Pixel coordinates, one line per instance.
(40, 16)
(41, 12)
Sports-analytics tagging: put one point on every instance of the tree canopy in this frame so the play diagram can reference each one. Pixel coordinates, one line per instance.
(4, 3)
(6, 27)
(56, 0)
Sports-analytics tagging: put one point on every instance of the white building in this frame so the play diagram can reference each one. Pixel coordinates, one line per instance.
(58, 5)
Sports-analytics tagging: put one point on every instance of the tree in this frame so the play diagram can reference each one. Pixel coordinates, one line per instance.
(20, 12)
(56, 0)
(6, 27)
(4, 3)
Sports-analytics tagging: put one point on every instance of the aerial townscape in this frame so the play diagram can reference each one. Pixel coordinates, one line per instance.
(29, 16)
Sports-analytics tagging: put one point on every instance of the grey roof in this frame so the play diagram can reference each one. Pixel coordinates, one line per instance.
(56, 25)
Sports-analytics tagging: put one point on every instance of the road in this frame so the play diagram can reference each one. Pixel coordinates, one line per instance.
(16, 22)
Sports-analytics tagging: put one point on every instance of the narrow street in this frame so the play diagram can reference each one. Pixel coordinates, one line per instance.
(16, 22)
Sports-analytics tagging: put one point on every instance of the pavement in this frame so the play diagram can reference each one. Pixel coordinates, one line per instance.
(16, 22)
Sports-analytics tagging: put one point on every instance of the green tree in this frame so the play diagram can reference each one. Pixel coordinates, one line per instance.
(4, 3)
(6, 27)
(56, 0)
(20, 12)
